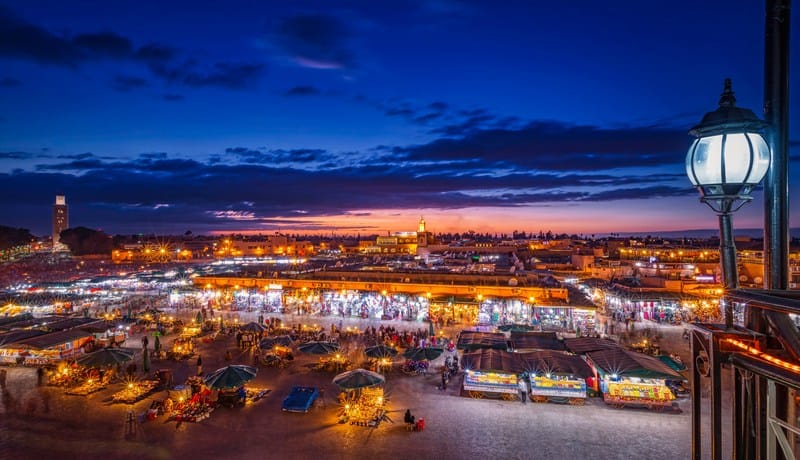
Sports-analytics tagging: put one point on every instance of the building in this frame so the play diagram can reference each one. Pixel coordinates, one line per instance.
(60, 218)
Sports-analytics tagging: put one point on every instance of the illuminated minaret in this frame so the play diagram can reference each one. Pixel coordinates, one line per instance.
(423, 237)
(60, 218)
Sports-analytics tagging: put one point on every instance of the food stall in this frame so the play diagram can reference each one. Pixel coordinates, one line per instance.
(556, 376)
(489, 372)
(368, 408)
(53, 347)
(182, 348)
(628, 378)
(192, 407)
(550, 386)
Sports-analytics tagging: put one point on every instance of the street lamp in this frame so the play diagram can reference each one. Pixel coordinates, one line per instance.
(726, 162)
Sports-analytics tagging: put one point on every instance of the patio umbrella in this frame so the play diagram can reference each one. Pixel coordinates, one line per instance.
(253, 327)
(380, 351)
(232, 376)
(105, 357)
(358, 378)
(319, 348)
(419, 354)
(269, 342)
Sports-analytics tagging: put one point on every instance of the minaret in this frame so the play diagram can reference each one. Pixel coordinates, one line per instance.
(421, 225)
(60, 218)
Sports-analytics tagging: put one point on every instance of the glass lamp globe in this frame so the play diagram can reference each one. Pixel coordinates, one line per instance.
(729, 156)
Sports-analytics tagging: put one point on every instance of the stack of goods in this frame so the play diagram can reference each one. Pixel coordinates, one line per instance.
(195, 408)
(368, 408)
(254, 394)
(87, 387)
(134, 391)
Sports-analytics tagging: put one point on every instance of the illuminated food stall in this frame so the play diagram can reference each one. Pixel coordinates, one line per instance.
(556, 376)
(53, 347)
(628, 378)
(490, 372)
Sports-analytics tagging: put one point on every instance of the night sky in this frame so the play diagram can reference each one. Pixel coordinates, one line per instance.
(300, 116)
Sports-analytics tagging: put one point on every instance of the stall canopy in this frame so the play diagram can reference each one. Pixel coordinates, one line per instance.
(106, 357)
(516, 328)
(380, 351)
(269, 342)
(627, 363)
(494, 360)
(470, 340)
(535, 341)
(319, 348)
(583, 345)
(253, 327)
(421, 354)
(358, 378)
(555, 362)
(43, 342)
(6, 321)
(15, 336)
(232, 376)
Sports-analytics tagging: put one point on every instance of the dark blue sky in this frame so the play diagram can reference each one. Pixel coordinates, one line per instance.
(360, 117)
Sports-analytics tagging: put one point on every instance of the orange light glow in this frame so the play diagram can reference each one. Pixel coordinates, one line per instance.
(772, 359)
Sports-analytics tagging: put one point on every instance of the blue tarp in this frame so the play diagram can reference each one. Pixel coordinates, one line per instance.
(300, 399)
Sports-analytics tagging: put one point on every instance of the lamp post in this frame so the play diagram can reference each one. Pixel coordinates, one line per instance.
(726, 161)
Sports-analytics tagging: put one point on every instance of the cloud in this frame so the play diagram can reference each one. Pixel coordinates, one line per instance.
(316, 41)
(16, 155)
(172, 97)
(304, 90)
(79, 156)
(8, 82)
(125, 83)
(23, 40)
(104, 45)
(222, 74)
(554, 146)
(258, 156)
(543, 163)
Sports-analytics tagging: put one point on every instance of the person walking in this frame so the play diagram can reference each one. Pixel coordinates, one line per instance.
(39, 375)
(523, 390)
(199, 365)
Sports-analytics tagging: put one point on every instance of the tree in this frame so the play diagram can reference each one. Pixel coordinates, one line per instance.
(11, 237)
(83, 241)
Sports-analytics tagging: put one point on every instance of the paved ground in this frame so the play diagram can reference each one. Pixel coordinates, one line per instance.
(42, 422)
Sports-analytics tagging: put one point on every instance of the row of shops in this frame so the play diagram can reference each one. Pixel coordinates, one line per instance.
(379, 305)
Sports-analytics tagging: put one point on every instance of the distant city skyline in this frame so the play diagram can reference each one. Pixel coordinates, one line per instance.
(307, 117)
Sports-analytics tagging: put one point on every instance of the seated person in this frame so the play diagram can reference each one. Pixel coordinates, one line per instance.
(408, 419)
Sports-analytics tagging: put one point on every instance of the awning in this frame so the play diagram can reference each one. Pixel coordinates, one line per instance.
(536, 341)
(494, 360)
(471, 340)
(627, 363)
(52, 339)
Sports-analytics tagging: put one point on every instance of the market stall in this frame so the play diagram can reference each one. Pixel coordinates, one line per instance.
(182, 348)
(366, 405)
(474, 340)
(556, 376)
(192, 407)
(489, 372)
(628, 378)
(135, 391)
